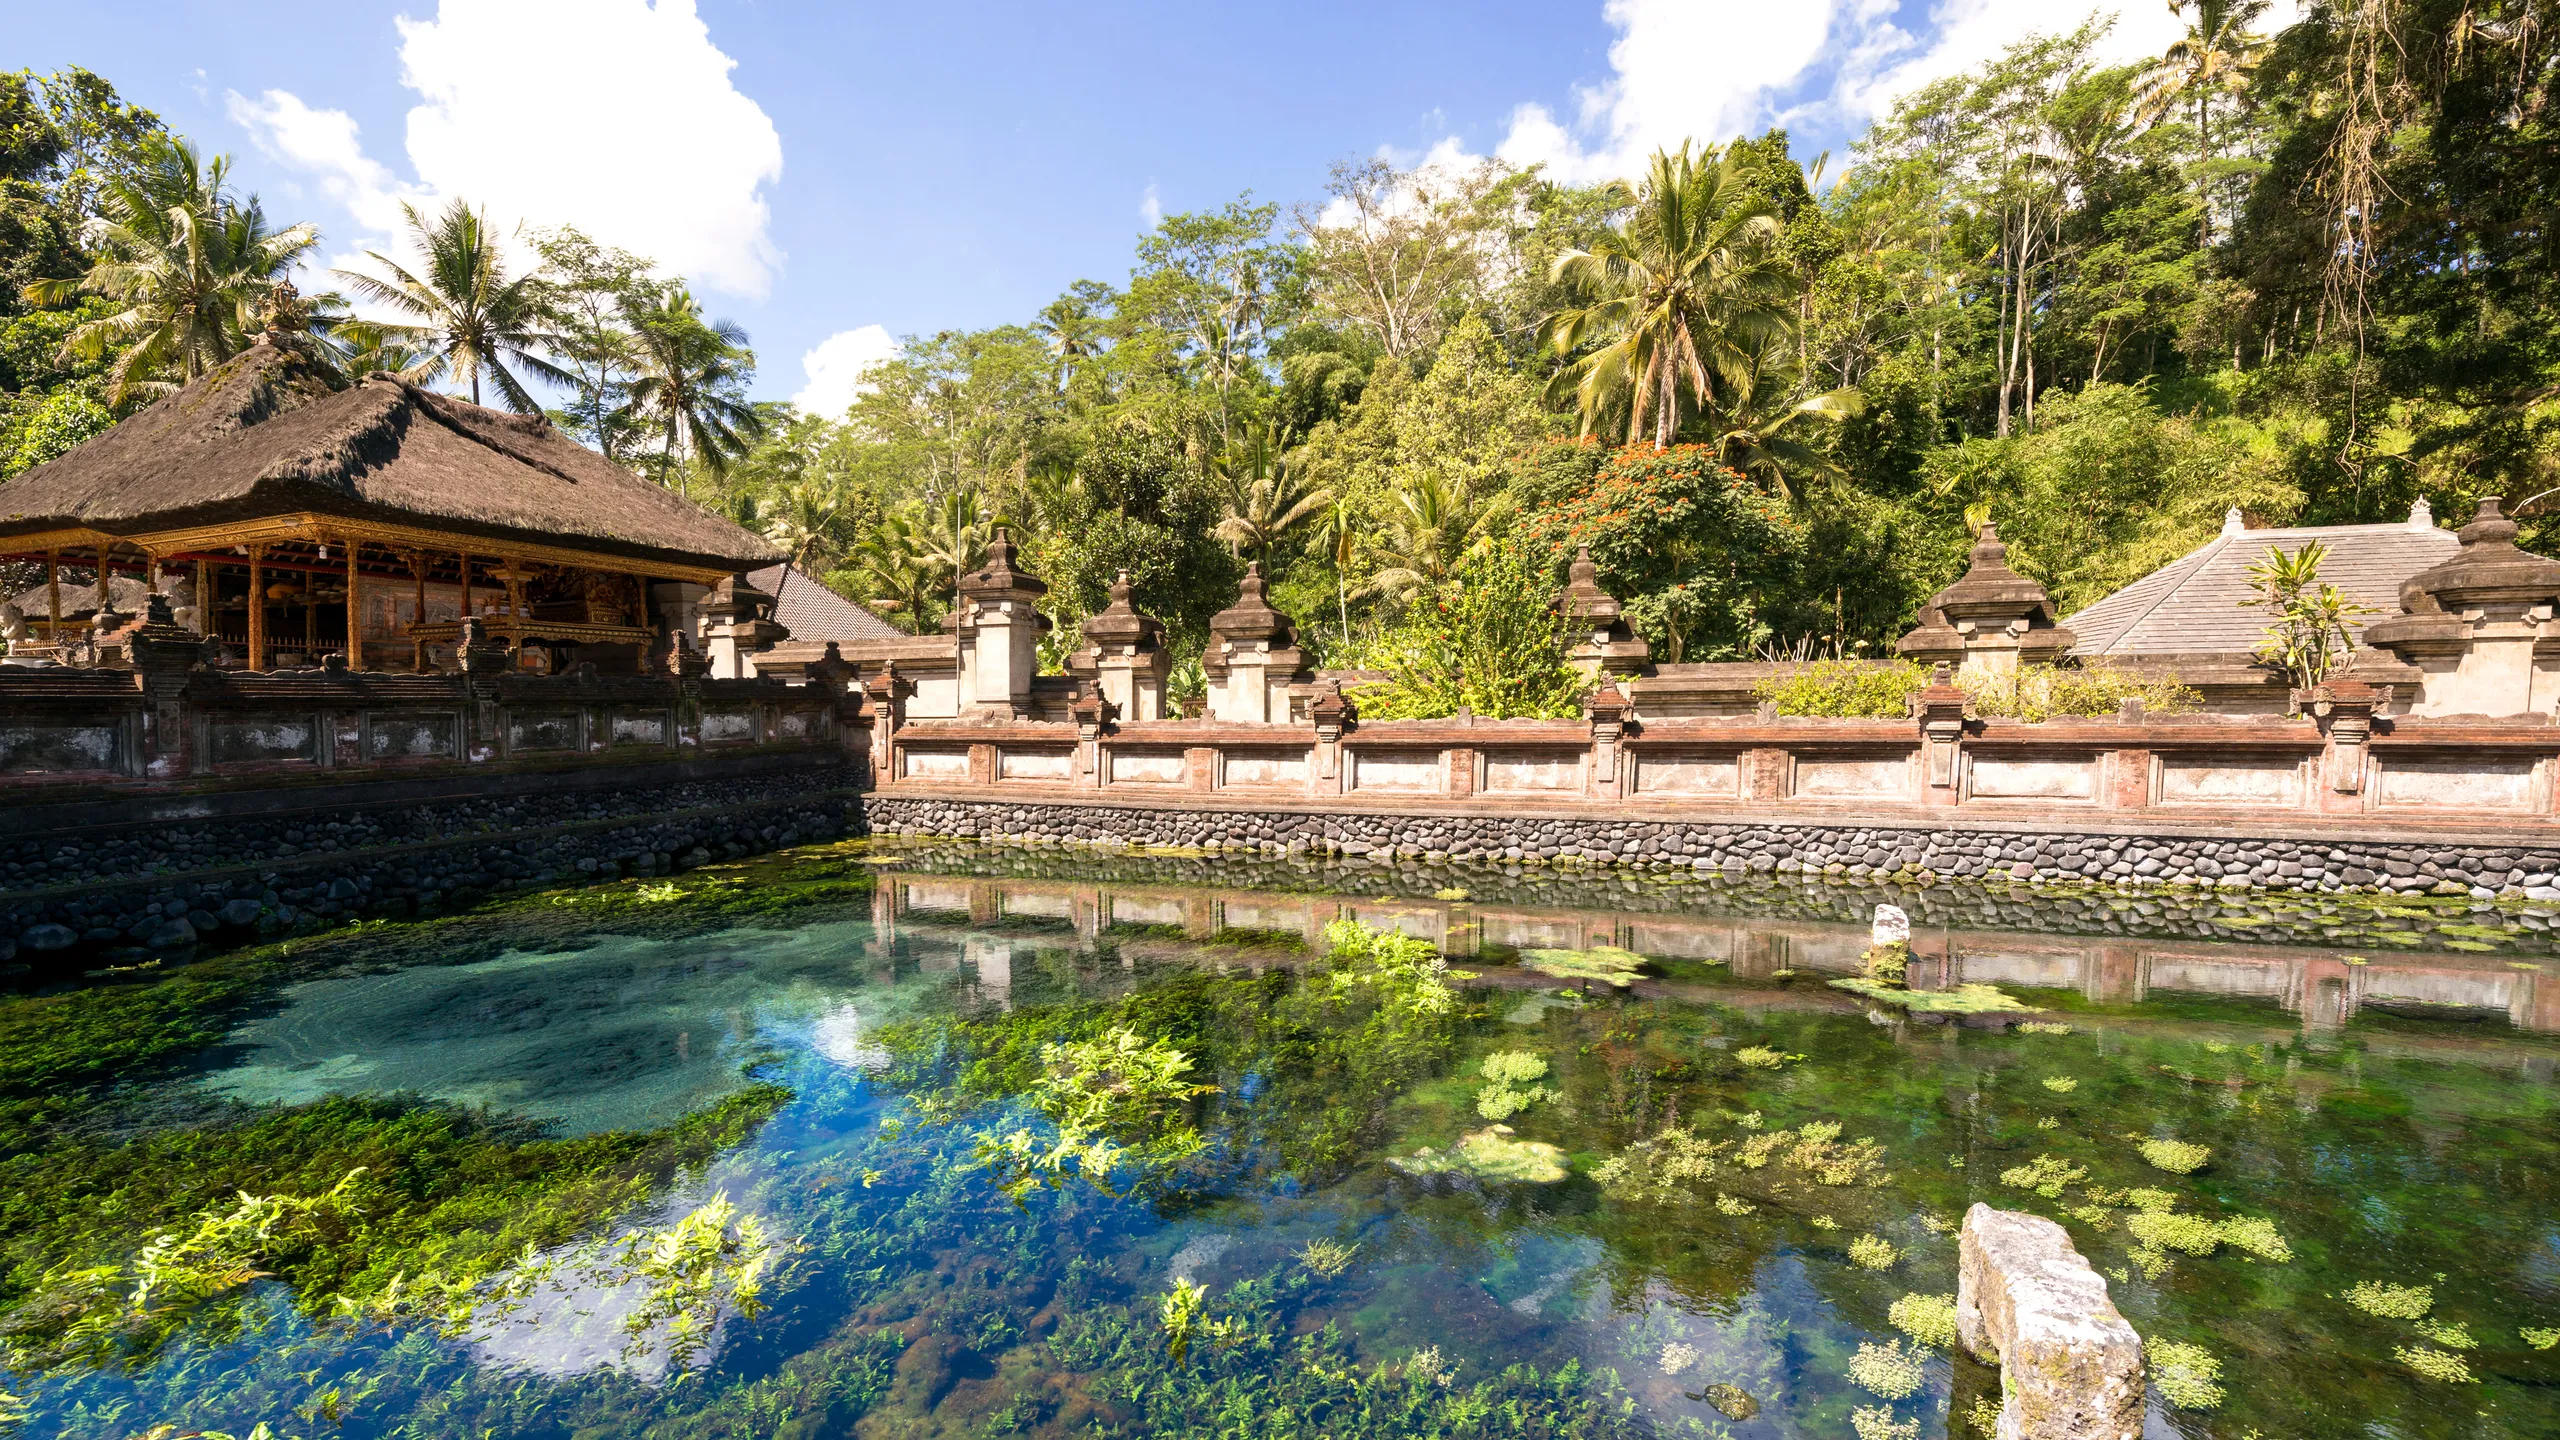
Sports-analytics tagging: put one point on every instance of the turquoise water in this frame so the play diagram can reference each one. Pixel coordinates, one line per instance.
(2382, 1108)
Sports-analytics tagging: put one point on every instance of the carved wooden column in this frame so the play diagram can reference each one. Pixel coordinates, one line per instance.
(355, 615)
(257, 607)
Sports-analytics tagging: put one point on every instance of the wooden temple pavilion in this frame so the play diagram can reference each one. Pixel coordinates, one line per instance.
(292, 518)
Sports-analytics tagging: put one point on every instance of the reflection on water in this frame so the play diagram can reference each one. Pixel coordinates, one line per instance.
(2384, 1107)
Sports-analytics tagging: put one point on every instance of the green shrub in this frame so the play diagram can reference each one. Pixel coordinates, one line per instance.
(1491, 642)
(2041, 692)
(1845, 689)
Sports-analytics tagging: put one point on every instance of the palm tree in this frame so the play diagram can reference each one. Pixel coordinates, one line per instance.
(1756, 430)
(691, 385)
(805, 519)
(190, 264)
(1435, 524)
(1267, 499)
(1338, 532)
(895, 572)
(469, 316)
(2217, 56)
(1679, 292)
(954, 532)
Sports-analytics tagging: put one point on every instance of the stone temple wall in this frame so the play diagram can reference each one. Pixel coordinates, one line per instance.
(1940, 851)
(164, 885)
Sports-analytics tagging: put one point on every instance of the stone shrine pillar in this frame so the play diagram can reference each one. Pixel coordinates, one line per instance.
(742, 627)
(1124, 658)
(1990, 621)
(997, 621)
(2479, 626)
(1602, 643)
(1253, 658)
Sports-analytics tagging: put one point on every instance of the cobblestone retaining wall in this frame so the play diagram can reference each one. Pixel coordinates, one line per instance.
(165, 886)
(1787, 848)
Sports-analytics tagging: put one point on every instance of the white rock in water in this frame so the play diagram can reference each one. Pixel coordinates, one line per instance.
(1892, 927)
(2070, 1367)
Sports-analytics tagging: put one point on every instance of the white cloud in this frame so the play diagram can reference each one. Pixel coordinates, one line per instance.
(617, 116)
(1708, 70)
(324, 145)
(836, 367)
(1151, 207)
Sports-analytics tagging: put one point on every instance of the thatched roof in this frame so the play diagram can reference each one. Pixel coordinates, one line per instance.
(267, 433)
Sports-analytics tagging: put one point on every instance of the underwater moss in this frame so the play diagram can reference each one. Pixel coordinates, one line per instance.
(2168, 1230)
(1873, 1252)
(1876, 1422)
(2540, 1338)
(1510, 1092)
(1490, 1154)
(2391, 1302)
(2061, 1084)
(2175, 1156)
(2451, 1334)
(2187, 1376)
(1929, 1319)
(1327, 1259)
(1605, 963)
(1891, 1370)
(1962, 1000)
(2045, 1175)
(2434, 1364)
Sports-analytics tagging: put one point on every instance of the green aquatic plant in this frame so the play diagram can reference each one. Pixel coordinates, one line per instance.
(711, 1264)
(2435, 1364)
(1185, 1316)
(2540, 1338)
(1984, 1416)
(1327, 1259)
(1877, 1422)
(1403, 973)
(1873, 1252)
(1962, 1000)
(1606, 963)
(1891, 1370)
(1510, 1089)
(2168, 1230)
(2187, 1376)
(2096, 1217)
(1115, 1098)
(2175, 1156)
(1928, 1319)
(2061, 1084)
(2046, 1175)
(1824, 1222)
(1762, 1057)
(1727, 1205)
(1452, 893)
(2451, 1334)
(1492, 1153)
(2391, 1302)
(2042, 1027)
(2258, 1236)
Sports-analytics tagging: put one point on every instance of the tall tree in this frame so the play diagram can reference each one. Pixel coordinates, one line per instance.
(465, 310)
(691, 388)
(588, 295)
(1395, 253)
(189, 264)
(2212, 61)
(1676, 295)
(1268, 497)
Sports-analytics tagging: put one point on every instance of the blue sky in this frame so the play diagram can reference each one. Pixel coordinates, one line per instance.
(834, 175)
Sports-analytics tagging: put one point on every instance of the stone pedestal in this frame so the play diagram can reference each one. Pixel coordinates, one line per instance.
(2480, 626)
(1602, 644)
(1253, 658)
(1124, 657)
(998, 624)
(2070, 1366)
(1990, 621)
(741, 625)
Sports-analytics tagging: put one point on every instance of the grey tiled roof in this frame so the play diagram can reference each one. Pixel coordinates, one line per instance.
(2192, 605)
(815, 614)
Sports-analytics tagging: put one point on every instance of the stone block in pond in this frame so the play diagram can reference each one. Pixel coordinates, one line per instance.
(2071, 1367)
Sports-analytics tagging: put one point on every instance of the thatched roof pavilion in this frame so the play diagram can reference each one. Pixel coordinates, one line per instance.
(368, 520)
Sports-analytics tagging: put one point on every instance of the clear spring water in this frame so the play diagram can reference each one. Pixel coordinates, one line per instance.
(2375, 1085)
